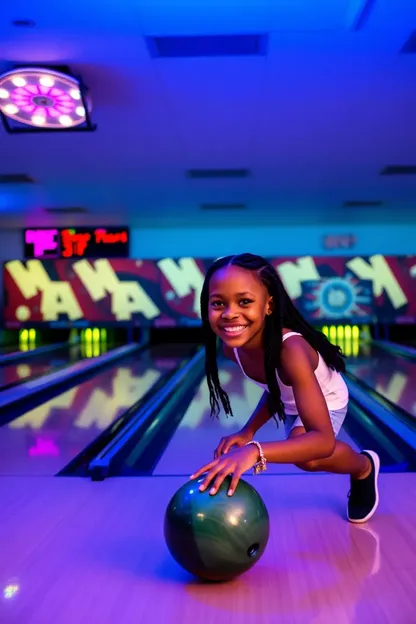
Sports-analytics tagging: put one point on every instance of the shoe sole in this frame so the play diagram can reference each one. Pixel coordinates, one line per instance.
(376, 461)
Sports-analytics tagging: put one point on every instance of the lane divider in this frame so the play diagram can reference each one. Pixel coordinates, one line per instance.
(390, 452)
(48, 381)
(382, 414)
(79, 464)
(98, 468)
(396, 348)
(23, 355)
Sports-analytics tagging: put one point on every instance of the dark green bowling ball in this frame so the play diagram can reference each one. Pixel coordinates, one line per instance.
(216, 537)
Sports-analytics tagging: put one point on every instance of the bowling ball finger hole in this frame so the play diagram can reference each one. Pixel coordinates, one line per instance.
(253, 550)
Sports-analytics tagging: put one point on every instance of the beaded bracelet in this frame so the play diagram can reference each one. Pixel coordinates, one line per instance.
(260, 466)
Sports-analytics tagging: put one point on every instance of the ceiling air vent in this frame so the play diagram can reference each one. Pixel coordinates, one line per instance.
(363, 203)
(24, 23)
(398, 170)
(223, 206)
(207, 45)
(217, 174)
(16, 178)
(69, 210)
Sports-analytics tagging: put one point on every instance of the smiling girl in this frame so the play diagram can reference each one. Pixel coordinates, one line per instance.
(244, 303)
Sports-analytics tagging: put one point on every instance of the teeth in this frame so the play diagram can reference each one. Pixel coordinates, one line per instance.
(235, 329)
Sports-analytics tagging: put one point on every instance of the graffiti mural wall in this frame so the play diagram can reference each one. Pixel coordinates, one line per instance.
(166, 291)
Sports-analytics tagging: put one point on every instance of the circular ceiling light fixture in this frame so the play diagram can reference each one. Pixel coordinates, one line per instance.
(44, 98)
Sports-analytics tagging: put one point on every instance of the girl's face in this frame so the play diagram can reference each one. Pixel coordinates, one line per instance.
(237, 306)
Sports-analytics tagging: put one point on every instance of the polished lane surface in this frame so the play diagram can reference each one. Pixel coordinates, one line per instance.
(45, 439)
(17, 372)
(392, 376)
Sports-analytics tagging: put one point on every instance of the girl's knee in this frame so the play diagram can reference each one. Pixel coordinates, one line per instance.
(310, 466)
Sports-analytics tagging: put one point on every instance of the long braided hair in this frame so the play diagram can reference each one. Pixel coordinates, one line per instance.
(284, 314)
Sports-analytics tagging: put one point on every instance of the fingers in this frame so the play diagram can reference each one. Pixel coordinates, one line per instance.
(229, 445)
(234, 482)
(210, 476)
(216, 472)
(225, 445)
(201, 471)
(218, 481)
(220, 448)
(219, 472)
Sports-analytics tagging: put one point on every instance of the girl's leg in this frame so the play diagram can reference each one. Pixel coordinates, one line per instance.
(344, 460)
(363, 469)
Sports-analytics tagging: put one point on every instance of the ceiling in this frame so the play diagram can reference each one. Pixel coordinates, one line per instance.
(314, 118)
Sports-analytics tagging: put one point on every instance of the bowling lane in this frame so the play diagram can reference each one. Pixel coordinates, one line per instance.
(18, 372)
(393, 377)
(45, 439)
(198, 434)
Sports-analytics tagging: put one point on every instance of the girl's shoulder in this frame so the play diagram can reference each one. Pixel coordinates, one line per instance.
(297, 354)
(293, 340)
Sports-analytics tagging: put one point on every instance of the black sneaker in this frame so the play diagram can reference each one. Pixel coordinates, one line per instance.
(363, 496)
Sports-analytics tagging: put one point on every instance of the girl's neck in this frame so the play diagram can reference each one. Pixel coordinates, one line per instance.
(253, 352)
(255, 346)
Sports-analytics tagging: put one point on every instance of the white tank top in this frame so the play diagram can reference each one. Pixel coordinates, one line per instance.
(332, 384)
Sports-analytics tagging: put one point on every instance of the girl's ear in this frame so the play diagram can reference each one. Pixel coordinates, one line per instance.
(270, 306)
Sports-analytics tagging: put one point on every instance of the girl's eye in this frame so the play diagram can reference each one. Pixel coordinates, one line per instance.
(243, 302)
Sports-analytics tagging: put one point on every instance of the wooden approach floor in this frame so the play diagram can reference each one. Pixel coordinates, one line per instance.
(77, 552)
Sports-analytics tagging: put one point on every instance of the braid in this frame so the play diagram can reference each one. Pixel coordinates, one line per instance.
(272, 343)
(284, 314)
(216, 393)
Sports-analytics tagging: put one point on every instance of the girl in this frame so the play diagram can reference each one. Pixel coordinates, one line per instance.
(244, 303)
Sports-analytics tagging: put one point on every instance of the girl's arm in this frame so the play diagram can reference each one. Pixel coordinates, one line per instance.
(318, 441)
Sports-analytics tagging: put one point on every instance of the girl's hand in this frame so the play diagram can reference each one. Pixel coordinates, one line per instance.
(238, 439)
(235, 462)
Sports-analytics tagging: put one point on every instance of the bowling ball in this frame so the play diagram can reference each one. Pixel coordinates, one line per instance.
(216, 537)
